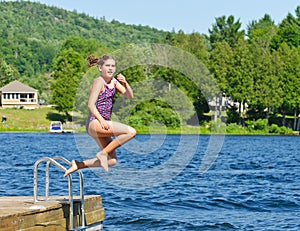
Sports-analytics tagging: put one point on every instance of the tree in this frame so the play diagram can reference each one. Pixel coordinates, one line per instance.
(267, 90)
(220, 62)
(221, 59)
(67, 73)
(290, 79)
(262, 32)
(81, 45)
(155, 101)
(289, 31)
(196, 45)
(193, 43)
(240, 78)
(7, 73)
(226, 29)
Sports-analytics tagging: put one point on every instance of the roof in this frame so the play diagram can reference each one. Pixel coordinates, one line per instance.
(16, 86)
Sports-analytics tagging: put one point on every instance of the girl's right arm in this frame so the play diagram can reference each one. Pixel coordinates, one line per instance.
(96, 88)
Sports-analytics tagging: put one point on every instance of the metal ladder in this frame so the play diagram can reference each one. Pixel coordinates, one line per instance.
(54, 160)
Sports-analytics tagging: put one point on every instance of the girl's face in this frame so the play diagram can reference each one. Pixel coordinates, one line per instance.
(108, 68)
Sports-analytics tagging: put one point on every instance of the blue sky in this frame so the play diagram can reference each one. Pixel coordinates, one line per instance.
(187, 15)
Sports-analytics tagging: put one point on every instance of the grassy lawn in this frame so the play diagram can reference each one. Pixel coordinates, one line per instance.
(28, 120)
(38, 120)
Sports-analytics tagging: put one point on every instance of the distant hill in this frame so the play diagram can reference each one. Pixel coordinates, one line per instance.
(32, 33)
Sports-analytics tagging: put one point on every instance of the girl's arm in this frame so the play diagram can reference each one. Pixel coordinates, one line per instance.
(96, 88)
(124, 89)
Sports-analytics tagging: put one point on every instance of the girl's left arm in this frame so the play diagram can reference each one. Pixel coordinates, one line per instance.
(124, 89)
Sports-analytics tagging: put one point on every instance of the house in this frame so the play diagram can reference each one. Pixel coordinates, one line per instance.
(18, 95)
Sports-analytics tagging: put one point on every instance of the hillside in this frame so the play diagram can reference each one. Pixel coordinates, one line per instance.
(32, 33)
(256, 69)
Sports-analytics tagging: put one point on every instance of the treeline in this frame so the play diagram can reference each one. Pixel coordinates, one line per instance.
(33, 33)
(257, 68)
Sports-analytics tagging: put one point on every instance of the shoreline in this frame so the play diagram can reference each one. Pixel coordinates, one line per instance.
(170, 132)
(39, 120)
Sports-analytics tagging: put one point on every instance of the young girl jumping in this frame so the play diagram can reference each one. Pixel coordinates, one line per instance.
(98, 124)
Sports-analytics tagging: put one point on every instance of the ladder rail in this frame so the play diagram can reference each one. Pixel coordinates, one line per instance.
(35, 191)
(37, 163)
(80, 185)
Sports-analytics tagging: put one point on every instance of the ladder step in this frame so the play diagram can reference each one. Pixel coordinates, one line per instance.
(54, 161)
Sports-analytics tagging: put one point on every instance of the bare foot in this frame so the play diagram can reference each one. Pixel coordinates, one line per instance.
(72, 169)
(103, 160)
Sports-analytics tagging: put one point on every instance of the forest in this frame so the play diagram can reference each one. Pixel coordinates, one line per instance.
(257, 70)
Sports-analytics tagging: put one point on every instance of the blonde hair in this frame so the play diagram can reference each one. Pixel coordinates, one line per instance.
(94, 61)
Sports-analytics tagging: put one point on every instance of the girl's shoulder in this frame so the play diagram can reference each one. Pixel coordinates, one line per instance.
(99, 80)
(98, 83)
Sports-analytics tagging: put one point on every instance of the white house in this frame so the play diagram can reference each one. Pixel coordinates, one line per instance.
(18, 95)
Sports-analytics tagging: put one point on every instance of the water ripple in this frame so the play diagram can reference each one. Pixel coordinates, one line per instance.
(251, 186)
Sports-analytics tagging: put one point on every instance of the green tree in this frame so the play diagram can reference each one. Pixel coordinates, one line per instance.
(196, 45)
(289, 31)
(240, 78)
(290, 79)
(154, 100)
(66, 78)
(267, 90)
(220, 62)
(81, 45)
(193, 43)
(221, 59)
(7, 73)
(265, 72)
(262, 32)
(226, 29)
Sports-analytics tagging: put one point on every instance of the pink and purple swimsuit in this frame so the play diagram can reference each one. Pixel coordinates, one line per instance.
(104, 103)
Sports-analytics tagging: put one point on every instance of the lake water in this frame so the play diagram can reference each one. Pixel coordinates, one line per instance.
(253, 183)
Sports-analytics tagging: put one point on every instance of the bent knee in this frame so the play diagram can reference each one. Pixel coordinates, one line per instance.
(112, 162)
(132, 132)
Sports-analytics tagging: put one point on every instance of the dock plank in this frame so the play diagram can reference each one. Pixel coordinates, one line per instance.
(22, 213)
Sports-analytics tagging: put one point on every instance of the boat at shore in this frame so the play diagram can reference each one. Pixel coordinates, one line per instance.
(57, 128)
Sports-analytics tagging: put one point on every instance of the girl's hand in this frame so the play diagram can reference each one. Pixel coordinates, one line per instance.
(125, 89)
(104, 124)
(122, 79)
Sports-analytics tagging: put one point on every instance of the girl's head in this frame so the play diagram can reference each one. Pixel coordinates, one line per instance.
(106, 65)
(94, 61)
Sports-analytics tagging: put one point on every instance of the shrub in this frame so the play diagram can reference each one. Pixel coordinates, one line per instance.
(274, 128)
(216, 126)
(234, 128)
(260, 124)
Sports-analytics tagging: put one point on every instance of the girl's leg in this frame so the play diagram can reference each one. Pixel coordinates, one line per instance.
(89, 163)
(112, 156)
(123, 133)
(107, 157)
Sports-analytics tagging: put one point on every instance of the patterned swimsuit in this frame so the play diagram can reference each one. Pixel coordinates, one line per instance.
(104, 103)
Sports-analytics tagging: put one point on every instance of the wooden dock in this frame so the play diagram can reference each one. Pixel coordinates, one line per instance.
(22, 213)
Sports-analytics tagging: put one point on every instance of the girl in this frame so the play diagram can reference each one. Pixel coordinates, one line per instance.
(98, 124)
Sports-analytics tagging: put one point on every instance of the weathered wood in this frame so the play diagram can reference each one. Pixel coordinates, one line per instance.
(21, 213)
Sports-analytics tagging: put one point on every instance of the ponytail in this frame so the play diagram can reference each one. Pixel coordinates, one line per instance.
(94, 61)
